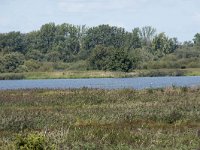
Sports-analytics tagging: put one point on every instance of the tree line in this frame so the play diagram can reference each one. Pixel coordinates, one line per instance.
(103, 47)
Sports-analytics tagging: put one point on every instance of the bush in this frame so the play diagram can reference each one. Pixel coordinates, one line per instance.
(78, 65)
(32, 65)
(35, 55)
(109, 58)
(172, 117)
(46, 66)
(59, 66)
(12, 61)
(12, 76)
(32, 142)
(53, 56)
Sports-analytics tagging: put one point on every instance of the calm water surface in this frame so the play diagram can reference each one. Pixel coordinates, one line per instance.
(104, 83)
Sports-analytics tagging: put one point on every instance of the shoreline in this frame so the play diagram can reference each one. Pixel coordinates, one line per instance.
(75, 74)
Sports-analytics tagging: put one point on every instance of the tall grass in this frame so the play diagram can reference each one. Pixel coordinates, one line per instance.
(103, 119)
(12, 76)
(100, 74)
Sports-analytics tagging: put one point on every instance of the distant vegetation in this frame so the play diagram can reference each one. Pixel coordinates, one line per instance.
(69, 47)
(152, 119)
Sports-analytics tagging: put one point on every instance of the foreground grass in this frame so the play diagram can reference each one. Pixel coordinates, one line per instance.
(103, 119)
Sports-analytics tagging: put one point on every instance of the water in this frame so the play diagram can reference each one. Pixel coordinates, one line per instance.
(103, 83)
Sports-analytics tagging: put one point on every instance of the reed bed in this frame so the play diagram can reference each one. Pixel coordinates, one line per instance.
(85, 118)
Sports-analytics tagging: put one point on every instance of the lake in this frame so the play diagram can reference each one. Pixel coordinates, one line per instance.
(103, 83)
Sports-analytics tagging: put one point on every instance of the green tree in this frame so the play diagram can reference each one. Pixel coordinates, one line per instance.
(35, 55)
(105, 35)
(53, 56)
(147, 34)
(119, 61)
(12, 61)
(12, 42)
(33, 41)
(197, 39)
(110, 58)
(47, 37)
(139, 56)
(67, 41)
(100, 57)
(133, 39)
(162, 45)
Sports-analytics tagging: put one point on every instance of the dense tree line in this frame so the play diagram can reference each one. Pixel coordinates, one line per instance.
(103, 47)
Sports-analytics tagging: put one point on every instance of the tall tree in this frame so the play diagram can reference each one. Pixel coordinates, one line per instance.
(47, 36)
(133, 39)
(33, 41)
(162, 45)
(67, 41)
(147, 34)
(105, 35)
(197, 39)
(12, 42)
(110, 58)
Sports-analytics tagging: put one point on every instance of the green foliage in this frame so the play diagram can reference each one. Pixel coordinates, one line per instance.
(119, 61)
(32, 142)
(32, 65)
(11, 76)
(47, 36)
(35, 55)
(78, 65)
(68, 40)
(109, 58)
(147, 34)
(197, 39)
(134, 41)
(1, 64)
(100, 57)
(139, 57)
(105, 35)
(187, 52)
(11, 61)
(53, 56)
(162, 45)
(119, 50)
(12, 42)
(159, 73)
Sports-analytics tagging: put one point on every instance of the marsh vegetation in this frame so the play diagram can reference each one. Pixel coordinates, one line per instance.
(100, 119)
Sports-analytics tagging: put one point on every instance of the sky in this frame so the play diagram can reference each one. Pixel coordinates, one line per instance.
(177, 18)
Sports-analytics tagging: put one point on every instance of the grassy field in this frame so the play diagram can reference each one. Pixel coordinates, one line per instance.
(66, 75)
(100, 74)
(152, 119)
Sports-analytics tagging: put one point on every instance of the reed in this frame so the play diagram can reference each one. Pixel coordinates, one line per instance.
(102, 119)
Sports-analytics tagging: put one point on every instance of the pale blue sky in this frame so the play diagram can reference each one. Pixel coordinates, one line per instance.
(177, 18)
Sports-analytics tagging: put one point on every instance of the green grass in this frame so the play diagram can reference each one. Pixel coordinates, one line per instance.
(103, 119)
(71, 74)
(193, 72)
(66, 75)
(162, 72)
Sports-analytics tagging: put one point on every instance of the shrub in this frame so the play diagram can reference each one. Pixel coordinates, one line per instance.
(12, 61)
(172, 117)
(32, 142)
(32, 65)
(109, 58)
(12, 76)
(78, 65)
